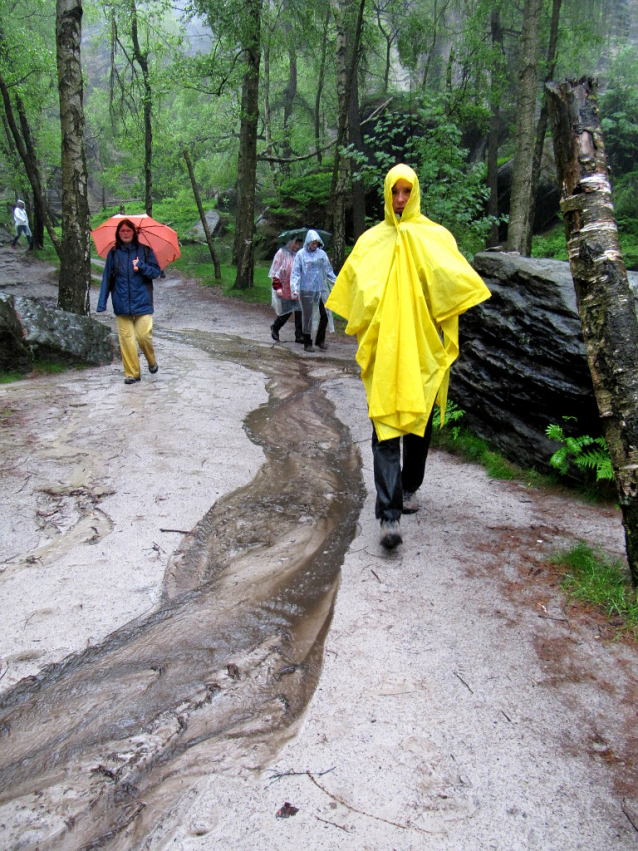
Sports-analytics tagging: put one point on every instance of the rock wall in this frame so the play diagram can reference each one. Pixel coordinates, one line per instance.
(523, 363)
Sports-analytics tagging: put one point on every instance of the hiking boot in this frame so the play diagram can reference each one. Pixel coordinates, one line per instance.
(153, 369)
(410, 503)
(307, 343)
(274, 333)
(390, 534)
(321, 346)
(299, 340)
(131, 380)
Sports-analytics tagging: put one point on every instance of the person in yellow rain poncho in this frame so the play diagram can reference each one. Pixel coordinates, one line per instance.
(402, 290)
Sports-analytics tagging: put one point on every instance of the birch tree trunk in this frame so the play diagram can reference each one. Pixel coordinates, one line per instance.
(519, 222)
(605, 299)
(75, 256)
(244, 247)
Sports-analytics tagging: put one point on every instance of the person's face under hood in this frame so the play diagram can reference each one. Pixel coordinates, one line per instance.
(312, 237)
(402, 194)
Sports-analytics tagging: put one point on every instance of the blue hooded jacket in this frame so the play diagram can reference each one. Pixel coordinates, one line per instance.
(131, 295)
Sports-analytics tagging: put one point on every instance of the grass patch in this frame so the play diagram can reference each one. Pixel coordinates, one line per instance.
(469, 447)
(41, 366)
(10, 377)
(196, 263)
(602, 582)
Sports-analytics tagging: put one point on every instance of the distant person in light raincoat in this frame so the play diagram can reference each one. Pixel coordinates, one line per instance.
(282, 301)
(312, 279)
(21, 222)
(402, 291)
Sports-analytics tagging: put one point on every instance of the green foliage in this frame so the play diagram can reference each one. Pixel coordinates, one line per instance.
(551, 244)
(596, 579)
(453, 190)
(301, 200)
(619, 114)
(584, 452)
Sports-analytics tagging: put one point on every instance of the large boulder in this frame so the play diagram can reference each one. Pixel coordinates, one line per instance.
(15, 354)
(523, 363)
(29, 329)
(215, 226)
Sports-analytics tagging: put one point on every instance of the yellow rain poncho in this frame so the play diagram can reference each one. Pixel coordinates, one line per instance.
(402, 290)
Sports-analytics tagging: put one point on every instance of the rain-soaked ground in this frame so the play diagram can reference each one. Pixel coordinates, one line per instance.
(106, 739)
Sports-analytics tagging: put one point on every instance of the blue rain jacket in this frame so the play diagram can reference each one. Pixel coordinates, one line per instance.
(132, 295)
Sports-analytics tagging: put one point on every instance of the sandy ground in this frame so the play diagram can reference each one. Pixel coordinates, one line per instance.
(463, 703)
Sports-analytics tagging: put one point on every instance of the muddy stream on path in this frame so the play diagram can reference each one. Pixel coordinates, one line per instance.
(96, 749)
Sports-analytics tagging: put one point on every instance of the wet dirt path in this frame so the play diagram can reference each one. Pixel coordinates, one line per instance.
(96, 748)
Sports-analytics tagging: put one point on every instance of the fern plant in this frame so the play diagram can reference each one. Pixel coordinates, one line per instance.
(452, 415)
(584, 451)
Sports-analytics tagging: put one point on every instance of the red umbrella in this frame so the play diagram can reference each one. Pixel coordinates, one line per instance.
(159, 237)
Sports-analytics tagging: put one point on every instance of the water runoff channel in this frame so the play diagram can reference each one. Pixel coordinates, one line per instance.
(95, 749)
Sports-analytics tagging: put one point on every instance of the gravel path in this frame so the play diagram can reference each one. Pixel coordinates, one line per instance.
(463, 703)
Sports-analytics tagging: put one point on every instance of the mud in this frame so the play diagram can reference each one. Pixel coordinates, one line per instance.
(232, 652)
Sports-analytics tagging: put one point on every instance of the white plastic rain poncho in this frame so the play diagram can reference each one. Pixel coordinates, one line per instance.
(281, 268)
(402, 290)
(312, 274)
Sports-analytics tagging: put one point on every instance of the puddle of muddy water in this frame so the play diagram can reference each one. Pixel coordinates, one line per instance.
(94, 750)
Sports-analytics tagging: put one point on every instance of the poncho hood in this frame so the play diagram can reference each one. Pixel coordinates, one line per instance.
(402, 290)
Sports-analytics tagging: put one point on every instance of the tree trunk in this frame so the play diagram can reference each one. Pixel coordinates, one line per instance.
(336, 214)
(141, 58)
(605, 299)
(29, 161)
(495, 122)
(519, 222)
(320, 79)
(290, 94)
(202, 215)
(267, 114)
(244, 248)
(541, 128)
(356, 138)
(75, 257)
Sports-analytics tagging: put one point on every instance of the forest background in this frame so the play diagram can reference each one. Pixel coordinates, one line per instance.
(291, 113)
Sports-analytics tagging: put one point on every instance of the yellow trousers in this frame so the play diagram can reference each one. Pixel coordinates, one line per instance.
(133, 330)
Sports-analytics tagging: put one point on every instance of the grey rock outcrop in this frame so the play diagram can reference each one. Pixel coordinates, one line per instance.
(215, 226)
(30, 330)
(523, 364)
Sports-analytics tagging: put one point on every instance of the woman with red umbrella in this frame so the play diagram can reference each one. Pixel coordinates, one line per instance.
(128, 277)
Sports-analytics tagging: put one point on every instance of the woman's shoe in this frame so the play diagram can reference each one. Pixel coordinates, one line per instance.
(153, 369)
(321, 346)
(131, 380)
(274, 333)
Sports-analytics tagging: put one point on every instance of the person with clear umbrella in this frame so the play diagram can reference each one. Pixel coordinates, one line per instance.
(311, 281)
